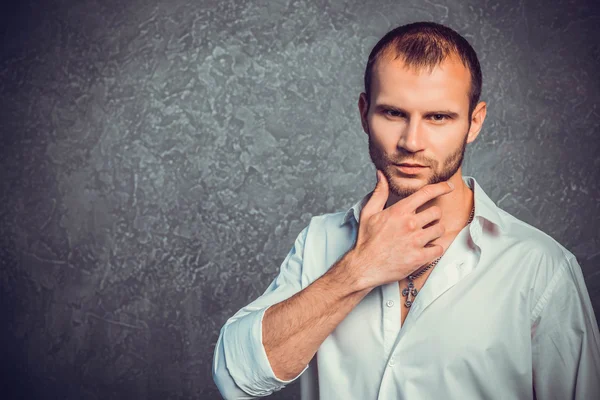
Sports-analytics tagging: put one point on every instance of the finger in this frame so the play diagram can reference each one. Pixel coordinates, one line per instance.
(378, 198)
(427, 216)
(430, 234)
(432, 252)
(425, 194)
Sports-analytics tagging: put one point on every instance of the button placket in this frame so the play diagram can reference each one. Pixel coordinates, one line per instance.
(390, 296)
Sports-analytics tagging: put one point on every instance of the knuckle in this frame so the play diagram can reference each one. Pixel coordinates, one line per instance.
(436, 232)
(417, 240)
(411, 223)
(374, 219)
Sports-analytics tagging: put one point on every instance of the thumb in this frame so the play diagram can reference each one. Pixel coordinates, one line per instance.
(378, 198)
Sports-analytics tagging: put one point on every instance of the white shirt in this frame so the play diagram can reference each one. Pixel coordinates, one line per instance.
(503, 314)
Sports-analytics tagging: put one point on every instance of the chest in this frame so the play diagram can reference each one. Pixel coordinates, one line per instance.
(470, 329)
(409, 291)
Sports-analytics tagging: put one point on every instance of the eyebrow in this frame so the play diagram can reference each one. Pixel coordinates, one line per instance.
(382, 107)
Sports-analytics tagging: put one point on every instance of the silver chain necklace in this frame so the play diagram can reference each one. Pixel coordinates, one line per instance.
(410, 292)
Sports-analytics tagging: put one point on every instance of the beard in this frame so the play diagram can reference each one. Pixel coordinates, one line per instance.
(449, 167)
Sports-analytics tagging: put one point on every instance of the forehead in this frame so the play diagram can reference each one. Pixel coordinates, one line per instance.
(447, 83)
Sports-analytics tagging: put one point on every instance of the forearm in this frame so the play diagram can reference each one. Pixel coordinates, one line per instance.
(293, 330)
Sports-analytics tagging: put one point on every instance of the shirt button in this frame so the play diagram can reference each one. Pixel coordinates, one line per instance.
(391, 363)
(389, 303)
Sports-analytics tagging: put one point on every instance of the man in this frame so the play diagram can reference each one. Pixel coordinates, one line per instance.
(424, 289)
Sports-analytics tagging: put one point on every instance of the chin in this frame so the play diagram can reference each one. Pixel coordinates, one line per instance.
(405, 185)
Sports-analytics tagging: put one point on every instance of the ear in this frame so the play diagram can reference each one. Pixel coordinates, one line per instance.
(363, 109)
(477, 119)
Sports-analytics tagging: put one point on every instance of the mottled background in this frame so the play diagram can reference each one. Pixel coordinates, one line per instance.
(158, 158)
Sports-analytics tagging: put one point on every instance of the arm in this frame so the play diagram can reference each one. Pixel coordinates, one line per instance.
(240, 366)
(301, 323)
(565, 339)
(250, 356)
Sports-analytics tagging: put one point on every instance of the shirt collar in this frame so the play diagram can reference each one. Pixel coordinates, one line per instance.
(484, 206)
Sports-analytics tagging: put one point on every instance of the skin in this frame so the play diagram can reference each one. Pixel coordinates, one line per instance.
(420, 131)
(409, 219)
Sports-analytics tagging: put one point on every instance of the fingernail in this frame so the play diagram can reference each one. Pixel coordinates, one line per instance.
(451, 185)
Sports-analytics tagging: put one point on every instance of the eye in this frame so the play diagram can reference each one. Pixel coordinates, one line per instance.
(439, 117)
(393, 113)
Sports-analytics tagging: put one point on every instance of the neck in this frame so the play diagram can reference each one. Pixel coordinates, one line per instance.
(455, 206)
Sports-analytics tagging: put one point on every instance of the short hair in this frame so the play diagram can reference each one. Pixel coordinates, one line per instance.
(426, 45)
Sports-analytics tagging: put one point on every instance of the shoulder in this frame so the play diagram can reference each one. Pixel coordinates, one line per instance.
(328, 221)
(532, 241)
(327, 226)
(326, 240)
(543, 266)
(540, 260)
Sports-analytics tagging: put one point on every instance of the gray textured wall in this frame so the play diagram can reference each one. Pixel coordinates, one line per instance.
(159, 158)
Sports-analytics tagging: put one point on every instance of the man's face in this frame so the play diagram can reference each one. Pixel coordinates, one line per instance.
(418, 117)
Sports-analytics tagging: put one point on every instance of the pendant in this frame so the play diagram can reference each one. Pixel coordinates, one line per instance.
(410, 293)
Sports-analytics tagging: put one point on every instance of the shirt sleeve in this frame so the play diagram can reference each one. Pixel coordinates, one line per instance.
(565, 339)
(241, 369)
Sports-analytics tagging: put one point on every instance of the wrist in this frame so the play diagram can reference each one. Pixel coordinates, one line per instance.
(349, 271)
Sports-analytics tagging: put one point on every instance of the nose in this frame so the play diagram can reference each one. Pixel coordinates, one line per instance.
(411, 138)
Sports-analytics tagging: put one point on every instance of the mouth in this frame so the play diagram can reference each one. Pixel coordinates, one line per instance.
(410, 165)
(410, 169)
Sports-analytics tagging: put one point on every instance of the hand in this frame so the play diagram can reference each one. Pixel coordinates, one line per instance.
(391, 242)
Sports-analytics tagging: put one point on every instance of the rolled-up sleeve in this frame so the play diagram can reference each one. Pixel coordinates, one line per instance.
(565, 339)
(241, 369)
